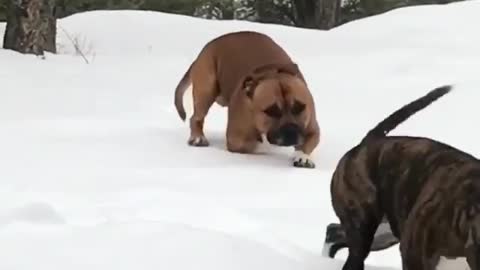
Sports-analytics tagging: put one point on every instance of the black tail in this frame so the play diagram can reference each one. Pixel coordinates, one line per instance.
(402, 114)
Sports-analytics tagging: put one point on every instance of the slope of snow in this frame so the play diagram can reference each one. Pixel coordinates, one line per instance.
(96, 173)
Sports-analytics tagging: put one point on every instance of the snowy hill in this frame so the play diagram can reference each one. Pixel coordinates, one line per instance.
(96, 172)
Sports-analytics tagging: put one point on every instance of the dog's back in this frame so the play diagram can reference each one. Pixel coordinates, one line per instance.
(226, 60)
(361, 163)
(357, 163)
(239, 53)
(408, 160)
(407, 166)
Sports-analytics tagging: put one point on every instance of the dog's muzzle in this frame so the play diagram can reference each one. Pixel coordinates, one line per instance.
(287, 135)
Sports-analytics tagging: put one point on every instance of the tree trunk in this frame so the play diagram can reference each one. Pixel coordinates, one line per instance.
(318, 14)
(328, 13)
(304, 15)
(263, 11)
(31, 26)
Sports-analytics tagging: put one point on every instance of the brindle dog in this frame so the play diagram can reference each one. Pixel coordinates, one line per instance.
(427, 190)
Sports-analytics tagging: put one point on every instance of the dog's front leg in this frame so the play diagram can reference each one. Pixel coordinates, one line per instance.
(415, 241)
(238, 145)
(239, 142)
(414, 259)
(301, 156)
(240, 134)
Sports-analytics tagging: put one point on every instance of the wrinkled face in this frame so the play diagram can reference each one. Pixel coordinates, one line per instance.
(280, 109)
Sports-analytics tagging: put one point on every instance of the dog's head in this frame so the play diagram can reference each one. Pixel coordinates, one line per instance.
(280, 101)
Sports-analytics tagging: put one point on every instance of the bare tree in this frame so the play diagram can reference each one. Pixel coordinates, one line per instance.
(31, 26)
(319, 14)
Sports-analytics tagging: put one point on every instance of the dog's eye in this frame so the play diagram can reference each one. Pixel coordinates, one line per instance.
(297, 108)
(273, 111)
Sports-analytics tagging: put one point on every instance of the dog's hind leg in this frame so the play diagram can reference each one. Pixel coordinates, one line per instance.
(356, 203)
(359, 234)
(204, 93)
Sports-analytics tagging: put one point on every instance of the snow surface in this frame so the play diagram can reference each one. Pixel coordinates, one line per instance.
(96, 173)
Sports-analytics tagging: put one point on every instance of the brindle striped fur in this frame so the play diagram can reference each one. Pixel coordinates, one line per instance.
(428, 191)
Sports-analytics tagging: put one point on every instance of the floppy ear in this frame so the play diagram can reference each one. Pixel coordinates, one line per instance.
(248, 86)
(291, 69)
(271, 69)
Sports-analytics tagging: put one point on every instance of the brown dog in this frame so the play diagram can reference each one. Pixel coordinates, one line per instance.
(428, 191)
(265, 92)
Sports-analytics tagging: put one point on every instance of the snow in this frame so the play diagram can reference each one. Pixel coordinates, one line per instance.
(96, 172)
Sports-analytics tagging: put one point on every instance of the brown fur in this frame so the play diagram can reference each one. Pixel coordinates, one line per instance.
(428, 191)
(249, 73)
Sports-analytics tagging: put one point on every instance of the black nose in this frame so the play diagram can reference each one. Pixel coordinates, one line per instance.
(289, 134)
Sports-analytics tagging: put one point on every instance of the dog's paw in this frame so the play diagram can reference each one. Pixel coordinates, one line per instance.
(302, 160)
(198, 141)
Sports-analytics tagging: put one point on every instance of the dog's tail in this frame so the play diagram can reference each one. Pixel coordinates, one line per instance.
(180, 91)
(402, 114)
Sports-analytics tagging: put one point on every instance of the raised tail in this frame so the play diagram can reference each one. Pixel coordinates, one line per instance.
(402, 114)
(180, 91)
